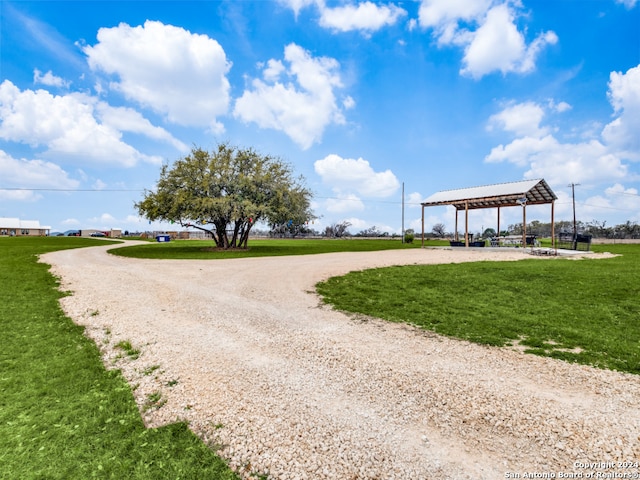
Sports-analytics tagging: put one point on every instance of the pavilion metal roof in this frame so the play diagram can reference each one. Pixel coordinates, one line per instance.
(537, 192)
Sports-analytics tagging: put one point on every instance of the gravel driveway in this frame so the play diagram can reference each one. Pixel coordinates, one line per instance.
(244, 352)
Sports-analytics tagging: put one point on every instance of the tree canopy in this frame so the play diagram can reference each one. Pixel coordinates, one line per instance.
(225, 192)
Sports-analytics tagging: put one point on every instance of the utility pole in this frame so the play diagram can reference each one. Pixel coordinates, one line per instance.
(402, 212)
(573, 195)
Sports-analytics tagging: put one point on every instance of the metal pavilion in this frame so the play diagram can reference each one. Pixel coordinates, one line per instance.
(513, 194)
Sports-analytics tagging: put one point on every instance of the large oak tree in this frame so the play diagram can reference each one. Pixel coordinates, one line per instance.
(225, 192)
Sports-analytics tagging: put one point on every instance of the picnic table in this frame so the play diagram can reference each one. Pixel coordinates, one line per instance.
(514, 241)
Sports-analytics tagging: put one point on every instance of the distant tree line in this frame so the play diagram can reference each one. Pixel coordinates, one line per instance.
(335, 230)
(596, 229)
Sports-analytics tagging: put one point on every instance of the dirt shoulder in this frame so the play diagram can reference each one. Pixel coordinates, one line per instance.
(244, 351)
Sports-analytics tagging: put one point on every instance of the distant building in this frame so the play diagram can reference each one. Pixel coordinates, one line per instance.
(92, 232)
(14, 227)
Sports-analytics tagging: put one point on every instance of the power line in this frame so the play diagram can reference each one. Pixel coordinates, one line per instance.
(390, 202)
(607, 208)
(625, 193)
(70, 189)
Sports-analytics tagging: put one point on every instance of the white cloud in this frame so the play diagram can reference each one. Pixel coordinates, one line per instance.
(70, 222)
(348, 102)
(616, 197)
(74, 127)
(19, 195)
(520, 119)
(413, 200)
(528, 61)
(298, 100)
(624, 199)
(99, 185)
(357, 224)
(344, 203)
(134, 218)
(559, 107)
(273, 70)
(488, 33)
(561, 163)
(444, 15)
(297, 5)
(623, 133)
(166, 68)
(106, 220)
(365, 16)
(33, 173)
(520, 150)
(598, 158)
(619, 189)
(629, 4)
(129, 120)
(49, 79)
(433, 216)
(498, 45)
(346, 174)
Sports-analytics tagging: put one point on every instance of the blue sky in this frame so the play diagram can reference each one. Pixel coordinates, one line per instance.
(360, 97)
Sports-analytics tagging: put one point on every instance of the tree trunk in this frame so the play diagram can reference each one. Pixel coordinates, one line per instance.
(236, 228)
(214, 236)
(244, 239)
(222, 241)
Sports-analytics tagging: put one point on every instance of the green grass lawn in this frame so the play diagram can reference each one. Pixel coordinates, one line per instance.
(62, 415)
(585, 311)
(205, 249)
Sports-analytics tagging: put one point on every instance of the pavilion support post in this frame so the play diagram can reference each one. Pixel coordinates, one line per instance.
(498, 232)
(422, 226)
(466, 224)
(455, 237)
(524, 225)
(553, 225)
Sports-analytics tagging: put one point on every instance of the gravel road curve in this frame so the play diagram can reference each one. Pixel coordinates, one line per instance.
(285, 387)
